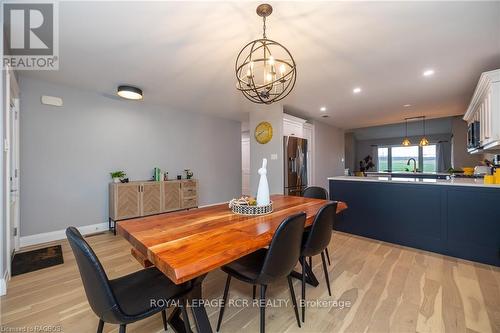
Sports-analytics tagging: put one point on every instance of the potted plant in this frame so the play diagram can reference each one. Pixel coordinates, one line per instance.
(117, 175)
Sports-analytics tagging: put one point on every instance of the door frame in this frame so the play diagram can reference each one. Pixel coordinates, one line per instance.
(11, 100)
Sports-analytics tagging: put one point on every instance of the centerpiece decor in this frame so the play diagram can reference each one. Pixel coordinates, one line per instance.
(251, 206)
(265, 69)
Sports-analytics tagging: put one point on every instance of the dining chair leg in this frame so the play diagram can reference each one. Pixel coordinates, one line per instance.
(311, 262)
(328, 256)
(254, 292)
(164, 319)
(294, 300)
(224, 300)
(262, 305)
(185, 317)
(325, 269)
(100, 326)
(123, 327)
(303, 296)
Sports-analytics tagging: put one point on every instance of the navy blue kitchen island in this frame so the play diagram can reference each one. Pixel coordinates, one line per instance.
(459, 218)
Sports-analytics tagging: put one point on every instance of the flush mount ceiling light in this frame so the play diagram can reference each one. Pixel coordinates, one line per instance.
(322, 109)
(428, 72)
(406, 141)
(356, 90)
(407, 105)
(129, 92)
(265, 69)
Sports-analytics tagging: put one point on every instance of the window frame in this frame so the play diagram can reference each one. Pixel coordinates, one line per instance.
(420, 162)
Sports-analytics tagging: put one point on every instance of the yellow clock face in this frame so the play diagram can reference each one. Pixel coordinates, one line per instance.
(263, 132)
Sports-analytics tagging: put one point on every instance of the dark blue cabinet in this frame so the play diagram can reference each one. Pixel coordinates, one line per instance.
(459, 221)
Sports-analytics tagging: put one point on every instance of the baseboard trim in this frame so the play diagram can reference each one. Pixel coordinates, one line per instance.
(60, 234)
(3, 284)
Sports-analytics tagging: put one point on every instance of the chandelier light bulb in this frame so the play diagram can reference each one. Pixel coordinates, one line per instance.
(271, 60)
(269, 77)
(282, 69)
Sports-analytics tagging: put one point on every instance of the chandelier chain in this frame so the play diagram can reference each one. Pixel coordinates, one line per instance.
(264, 27)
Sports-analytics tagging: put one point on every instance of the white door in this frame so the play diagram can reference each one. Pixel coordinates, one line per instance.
(11, 158)
(14, 176)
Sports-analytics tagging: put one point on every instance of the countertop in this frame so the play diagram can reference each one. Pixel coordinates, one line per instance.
(477, 182)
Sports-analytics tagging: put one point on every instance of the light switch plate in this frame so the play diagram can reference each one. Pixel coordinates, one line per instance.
(274, 156)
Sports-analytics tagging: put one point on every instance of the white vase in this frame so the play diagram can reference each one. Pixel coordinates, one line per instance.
(263, 189)
(116, 180)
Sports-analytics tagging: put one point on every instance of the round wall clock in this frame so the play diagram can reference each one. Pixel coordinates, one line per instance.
(263, 132)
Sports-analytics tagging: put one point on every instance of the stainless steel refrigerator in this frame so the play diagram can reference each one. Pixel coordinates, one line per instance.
(295, 158)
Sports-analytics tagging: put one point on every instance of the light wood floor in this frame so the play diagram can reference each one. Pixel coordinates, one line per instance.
(391, 288)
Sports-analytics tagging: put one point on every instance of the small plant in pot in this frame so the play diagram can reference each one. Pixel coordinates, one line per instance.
(117, 175)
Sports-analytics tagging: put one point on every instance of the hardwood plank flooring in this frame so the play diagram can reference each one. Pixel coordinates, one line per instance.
(390, 289)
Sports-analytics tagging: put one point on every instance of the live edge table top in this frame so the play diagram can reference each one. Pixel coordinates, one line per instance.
(188, 244)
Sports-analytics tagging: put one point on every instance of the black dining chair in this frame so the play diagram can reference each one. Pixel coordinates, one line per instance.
(266, 266)
(126, 299)
(316, 192)
(315, 242)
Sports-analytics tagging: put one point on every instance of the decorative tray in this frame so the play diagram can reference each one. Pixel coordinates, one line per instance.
(243, 207)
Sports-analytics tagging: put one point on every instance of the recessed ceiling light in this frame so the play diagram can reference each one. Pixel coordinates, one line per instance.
(322, 109)
(325, 116)
(428, 72)
(129, 92)
(356, 90)
(407, 105)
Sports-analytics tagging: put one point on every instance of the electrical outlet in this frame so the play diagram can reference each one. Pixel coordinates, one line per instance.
(274, 156)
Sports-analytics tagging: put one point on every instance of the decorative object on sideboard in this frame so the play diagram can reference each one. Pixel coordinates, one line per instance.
(165, 176)
(189, 173)
(124, 180)
(265, 69)
(179, 177)
(117, 175)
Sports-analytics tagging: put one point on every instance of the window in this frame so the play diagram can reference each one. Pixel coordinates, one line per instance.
(395, 158)
(383, 159)
(401, 155)
(430, 159)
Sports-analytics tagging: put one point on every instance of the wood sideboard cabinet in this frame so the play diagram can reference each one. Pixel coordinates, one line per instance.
(143, 198)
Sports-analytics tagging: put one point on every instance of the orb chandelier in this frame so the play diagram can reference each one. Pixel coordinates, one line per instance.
(265, 69)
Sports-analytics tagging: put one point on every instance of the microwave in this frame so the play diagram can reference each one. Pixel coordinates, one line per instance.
(473, 139)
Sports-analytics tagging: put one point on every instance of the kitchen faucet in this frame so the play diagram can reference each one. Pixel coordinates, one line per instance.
(414, 164)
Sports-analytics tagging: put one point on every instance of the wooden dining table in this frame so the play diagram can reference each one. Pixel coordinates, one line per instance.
(186, 245)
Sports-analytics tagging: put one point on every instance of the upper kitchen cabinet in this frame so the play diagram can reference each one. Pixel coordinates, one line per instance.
(293, 126)
(484, 109)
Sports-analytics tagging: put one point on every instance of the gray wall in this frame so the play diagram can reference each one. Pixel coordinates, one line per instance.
(328, 153)
(68, 152)
(274, 115)
(359, 141)
(460, 157)
(364, 147)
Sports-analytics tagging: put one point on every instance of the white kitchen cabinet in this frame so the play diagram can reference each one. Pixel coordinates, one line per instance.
(293, 126)
(485, 108)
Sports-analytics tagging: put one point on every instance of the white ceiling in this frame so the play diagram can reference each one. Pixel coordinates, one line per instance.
(182, 54)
